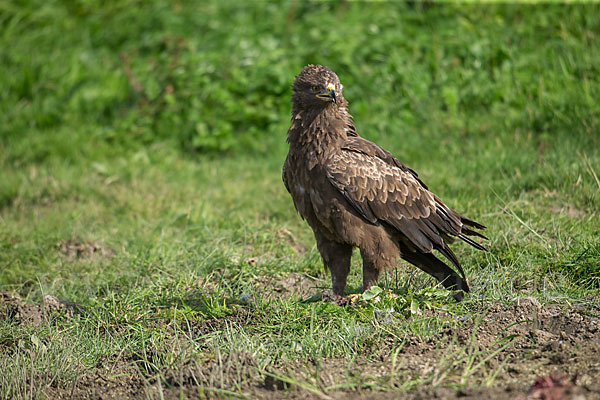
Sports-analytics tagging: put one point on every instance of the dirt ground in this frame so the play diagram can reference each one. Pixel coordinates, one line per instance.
(554, 346)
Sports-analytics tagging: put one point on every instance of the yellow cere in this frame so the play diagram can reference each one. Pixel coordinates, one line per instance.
(330, 87)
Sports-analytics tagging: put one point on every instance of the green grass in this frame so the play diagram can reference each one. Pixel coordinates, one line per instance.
(158, 133)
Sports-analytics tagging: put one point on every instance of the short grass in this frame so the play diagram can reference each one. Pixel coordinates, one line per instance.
(157, 133)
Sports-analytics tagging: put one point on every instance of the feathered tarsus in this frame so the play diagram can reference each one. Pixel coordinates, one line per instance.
(353, 193)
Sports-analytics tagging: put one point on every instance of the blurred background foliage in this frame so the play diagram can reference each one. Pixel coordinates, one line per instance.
(89, 79)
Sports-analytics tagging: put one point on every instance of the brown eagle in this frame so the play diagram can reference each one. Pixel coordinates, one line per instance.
(354, 193)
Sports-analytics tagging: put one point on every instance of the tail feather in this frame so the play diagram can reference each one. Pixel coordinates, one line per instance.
(472, 242)
(471, 232)
(470, 222)
(439, 270)
(467, 231)
(449, 254)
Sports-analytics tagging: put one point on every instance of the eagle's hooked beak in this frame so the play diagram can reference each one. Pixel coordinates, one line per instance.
(331, 89)
(330, 95)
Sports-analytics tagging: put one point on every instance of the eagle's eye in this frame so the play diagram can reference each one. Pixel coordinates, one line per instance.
(316, 88)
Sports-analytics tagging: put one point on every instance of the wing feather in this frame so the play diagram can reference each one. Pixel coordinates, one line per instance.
(383, 190)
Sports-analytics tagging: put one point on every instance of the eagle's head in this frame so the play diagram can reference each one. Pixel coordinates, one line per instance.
(317, 86)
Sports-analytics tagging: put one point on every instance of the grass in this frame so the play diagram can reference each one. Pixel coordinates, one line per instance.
(155, 135)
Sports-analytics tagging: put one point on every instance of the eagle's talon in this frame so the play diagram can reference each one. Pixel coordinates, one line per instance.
(350, 300)
(353, 298)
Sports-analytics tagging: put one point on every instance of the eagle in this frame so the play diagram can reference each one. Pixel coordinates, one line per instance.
(354, 193)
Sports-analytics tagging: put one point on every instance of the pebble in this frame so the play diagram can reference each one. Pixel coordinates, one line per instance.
(245, 298)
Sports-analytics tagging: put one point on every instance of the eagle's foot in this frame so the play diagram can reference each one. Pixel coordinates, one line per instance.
(329, 295)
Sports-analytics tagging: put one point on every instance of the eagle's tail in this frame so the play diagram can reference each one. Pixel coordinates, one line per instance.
(455, 224)
(468, 229)
(439, 270)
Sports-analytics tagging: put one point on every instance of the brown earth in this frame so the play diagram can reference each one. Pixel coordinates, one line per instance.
(12, 307)
(76, 248)
(559, 339)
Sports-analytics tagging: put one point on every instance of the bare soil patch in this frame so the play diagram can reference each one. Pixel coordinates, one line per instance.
(294, 284)
(76, 248)
(568, 209)
(22, 313)
(118, 381)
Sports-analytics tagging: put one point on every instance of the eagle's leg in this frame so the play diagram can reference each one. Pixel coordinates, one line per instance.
(336, 257)
(370, 273)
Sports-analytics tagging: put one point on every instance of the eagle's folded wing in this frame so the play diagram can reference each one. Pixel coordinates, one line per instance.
(383, 190)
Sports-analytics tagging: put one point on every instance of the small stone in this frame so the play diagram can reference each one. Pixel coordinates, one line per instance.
(245, 298)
